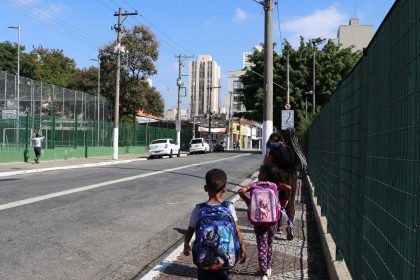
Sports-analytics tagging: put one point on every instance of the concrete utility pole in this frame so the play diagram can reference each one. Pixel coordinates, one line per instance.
(315, 42)
(118, 48)
(268, 73)
(180, 85)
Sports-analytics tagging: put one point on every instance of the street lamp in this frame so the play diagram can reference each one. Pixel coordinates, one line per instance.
(99, 89)
(315, 42)
(18, 81)
(306, 99)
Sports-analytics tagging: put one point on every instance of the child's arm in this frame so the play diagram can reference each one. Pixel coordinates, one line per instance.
(242, 192)
(241, 243)
(187, 240)
(287, 190)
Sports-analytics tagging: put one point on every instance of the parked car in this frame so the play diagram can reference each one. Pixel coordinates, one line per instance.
(199, 145)
(218, 147)
(163, 147)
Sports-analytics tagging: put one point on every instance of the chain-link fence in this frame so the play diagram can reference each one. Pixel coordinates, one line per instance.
(42, 102)
(364, 154)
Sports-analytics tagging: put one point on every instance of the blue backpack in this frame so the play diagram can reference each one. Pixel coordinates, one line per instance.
(216, 244)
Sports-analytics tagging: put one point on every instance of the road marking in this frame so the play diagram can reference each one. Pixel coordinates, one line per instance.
(180, 249)
(99, 185)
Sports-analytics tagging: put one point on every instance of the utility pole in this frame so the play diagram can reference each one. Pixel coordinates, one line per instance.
(118, 48)
(209, 90)
(268, 73)
(229, 143)
(288, 81)
(180, 85)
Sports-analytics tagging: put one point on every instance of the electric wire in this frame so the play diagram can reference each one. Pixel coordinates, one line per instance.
(67, 27)
(279, 26)
(60, 28)
(172, 43)
(130, 21)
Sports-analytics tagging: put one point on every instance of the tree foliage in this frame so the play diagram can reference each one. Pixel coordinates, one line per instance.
(137, 64)
(333, 63)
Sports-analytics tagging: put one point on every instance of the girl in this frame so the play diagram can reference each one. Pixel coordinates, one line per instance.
(265, 234)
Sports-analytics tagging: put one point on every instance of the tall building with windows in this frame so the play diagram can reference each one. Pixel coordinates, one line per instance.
(232, 100)
(354, 35)
(204, 86)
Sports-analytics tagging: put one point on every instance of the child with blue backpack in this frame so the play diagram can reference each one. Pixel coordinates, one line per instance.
(264, 212)
(218, 241)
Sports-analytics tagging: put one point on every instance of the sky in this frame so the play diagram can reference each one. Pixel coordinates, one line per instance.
(223, 29)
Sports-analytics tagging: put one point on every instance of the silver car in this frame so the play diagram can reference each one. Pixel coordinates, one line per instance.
(199, 145)
(163, 147)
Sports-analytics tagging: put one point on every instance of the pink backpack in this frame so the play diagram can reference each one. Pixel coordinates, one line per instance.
(264, 209)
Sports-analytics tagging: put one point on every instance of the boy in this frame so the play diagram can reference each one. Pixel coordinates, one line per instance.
(215, 187)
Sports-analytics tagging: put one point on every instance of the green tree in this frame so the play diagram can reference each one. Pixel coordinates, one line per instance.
(333, 64)
(8, 56)
(85, 80)
(137, 63)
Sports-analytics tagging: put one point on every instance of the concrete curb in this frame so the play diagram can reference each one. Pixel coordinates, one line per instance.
(65, 167)
(337, 270)
(46, 169)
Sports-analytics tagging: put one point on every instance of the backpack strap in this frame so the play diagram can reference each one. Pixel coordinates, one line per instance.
(226, 203)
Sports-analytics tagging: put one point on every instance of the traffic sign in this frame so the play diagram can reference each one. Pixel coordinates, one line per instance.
(287, 106)
(287, 119)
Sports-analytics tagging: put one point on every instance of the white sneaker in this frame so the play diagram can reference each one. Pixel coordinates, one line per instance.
(269, 272)
(264, 277)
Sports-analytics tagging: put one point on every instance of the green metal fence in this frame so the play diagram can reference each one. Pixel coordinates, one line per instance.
(364, 154)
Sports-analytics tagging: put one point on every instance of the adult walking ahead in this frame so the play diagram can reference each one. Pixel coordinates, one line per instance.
(289, 159)
(37, 143)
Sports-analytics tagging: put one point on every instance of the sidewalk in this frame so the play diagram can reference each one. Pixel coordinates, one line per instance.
(301, 258)
(16, 168)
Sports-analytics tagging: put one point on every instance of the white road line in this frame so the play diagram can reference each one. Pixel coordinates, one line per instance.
(178, 251)
(99, 185)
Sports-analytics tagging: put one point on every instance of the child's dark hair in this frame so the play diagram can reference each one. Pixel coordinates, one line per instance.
(271, 172)
(215, 180)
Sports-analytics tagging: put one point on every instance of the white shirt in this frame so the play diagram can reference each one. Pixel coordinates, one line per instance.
(37, 141)
(194, 214)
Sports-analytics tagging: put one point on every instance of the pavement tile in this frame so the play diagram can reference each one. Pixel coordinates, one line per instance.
(301, 258)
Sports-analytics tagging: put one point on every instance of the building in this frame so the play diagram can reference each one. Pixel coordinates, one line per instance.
(355, 35)
(171, 114)
(246, 55)
(204, 86)
(232, 99)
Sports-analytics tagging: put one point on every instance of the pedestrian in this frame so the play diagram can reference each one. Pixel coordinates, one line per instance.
(234, 145)
(218, 244)
(238, 146)
(264, 212)
(289, 159)
(274, 141)
(37, 143)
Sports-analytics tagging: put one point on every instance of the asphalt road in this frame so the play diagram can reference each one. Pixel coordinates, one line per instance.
(111, 222)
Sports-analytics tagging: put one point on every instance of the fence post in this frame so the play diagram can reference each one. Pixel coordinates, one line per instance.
(75, 134)
(26, 152)
(53, 133)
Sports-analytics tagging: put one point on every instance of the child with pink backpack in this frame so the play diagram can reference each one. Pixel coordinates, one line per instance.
(265, 212)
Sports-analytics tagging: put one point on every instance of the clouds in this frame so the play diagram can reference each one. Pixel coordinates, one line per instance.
(320, 23)
(240, 15)
(46, 12)
(49, 12)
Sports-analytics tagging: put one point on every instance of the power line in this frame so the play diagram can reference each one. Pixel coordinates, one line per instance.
(66, 26)
(169, 41)
(278, 19)
(59, 29)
